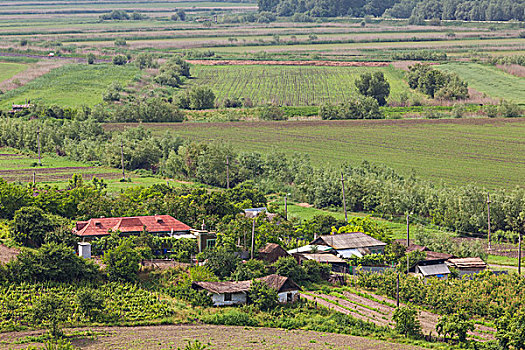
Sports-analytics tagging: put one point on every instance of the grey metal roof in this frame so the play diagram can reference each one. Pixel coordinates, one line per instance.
(349, 241)
(434, 270)
(324, 258)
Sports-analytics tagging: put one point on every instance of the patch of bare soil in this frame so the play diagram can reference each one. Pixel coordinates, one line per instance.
(7, 254)
(214, 337)
(381, 309)
(304, 205)
(288, 63)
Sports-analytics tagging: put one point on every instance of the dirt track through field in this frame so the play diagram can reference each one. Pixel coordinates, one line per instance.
(379, 310)
(214, 337)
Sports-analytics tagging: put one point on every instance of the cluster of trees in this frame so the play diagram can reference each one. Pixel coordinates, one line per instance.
(121, 15)
(173, 72)
(436, 83)
(357, 108)
(417, 10)
(371, 188)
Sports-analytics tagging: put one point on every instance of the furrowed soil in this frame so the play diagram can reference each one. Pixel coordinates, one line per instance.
(379, 310)
(214, 337)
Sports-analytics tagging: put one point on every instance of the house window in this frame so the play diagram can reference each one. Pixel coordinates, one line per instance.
(227, 296)
(210, 243)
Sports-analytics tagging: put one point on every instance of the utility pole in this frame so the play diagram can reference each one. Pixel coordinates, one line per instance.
(122, 160)
(38, 142)
(397, 290)
(344, 197)
(286, 207)
(519, 253)
(227, 172)
(488, 219)
(253, 237)
(408, 241)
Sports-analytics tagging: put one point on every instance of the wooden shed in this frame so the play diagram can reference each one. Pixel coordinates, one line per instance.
(271, 252)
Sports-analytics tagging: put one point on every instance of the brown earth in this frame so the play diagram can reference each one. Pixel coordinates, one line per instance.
(380, 312)
(288, 63)
(214, 337)
(7, 254)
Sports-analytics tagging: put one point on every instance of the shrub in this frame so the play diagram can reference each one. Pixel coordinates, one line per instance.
(288, 267)
(262, 296)
(122, 262)
(120, 42)
(51, 311)
(91, 302)
(271, 112)
(120, 60)
(232, 102)
(232, 317)
(455, 325)
(202, 98)
(509, 110)
(90, 58)
(407, 321)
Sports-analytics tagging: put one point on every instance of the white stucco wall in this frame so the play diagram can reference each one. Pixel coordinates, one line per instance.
(283, 296)
(237, 298)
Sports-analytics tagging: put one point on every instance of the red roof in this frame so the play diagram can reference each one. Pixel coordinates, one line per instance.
(152, 224)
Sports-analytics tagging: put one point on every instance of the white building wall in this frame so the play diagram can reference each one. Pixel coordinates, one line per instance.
(237, 298)
(283, 297)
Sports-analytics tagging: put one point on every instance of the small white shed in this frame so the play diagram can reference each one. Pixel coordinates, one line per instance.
(84, 250)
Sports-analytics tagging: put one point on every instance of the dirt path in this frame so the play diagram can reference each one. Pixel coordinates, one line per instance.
(214, 337)
(380, 310)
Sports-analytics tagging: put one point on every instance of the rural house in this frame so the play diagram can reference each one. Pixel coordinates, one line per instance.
(236, 293)
(351, 244)
(162, 225)
(336, 263)
(271, 252)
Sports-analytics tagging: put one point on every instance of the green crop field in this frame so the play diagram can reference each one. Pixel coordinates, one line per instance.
(290, 85)
(488, 152)
(490, 80)
(71, 85)
(7, 69)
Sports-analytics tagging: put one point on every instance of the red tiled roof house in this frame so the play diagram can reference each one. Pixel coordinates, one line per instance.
(162, 225)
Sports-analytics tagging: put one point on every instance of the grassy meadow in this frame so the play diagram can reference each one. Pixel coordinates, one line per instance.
(8, 69)
(488, 152)
(72, 85)
(291, 85)
(489, 80)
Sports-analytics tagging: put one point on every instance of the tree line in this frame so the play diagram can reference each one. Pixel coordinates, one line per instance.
(418, 10)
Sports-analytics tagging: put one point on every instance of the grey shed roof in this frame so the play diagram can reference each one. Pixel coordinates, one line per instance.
(324, 258)
(349, 241)
(434, 270)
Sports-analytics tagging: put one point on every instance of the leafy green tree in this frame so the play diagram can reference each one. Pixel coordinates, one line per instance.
(315, 271)
(30, 226)
(122, 262)
(120, 60)
(221, 262)
(51, 262)
(288, 267)
(91, 303)
(455, 325)
(367, 226)
(511, 330)
(91, 58)
(262, 296)
(145, 60)
(52, 311)
(373, 85)
(202, 98)
(249, 270)
(407, 321)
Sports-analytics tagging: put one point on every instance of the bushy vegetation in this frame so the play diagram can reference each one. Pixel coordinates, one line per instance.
(470, 10)
(360, 108)
(435, 83)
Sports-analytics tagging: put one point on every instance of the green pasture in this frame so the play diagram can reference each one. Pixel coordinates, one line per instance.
(490, 80)
(8, 69)
(72, 85)
(487, 152)
(291, 85)
(464, 44)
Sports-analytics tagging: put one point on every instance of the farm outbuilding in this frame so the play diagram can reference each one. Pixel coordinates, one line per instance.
(467, 266)
(351, 244)
(336, 263)
(236, 293)
(271, 252)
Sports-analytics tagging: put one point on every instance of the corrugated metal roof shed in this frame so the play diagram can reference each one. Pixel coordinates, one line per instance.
(434, 270)
(349, 241)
